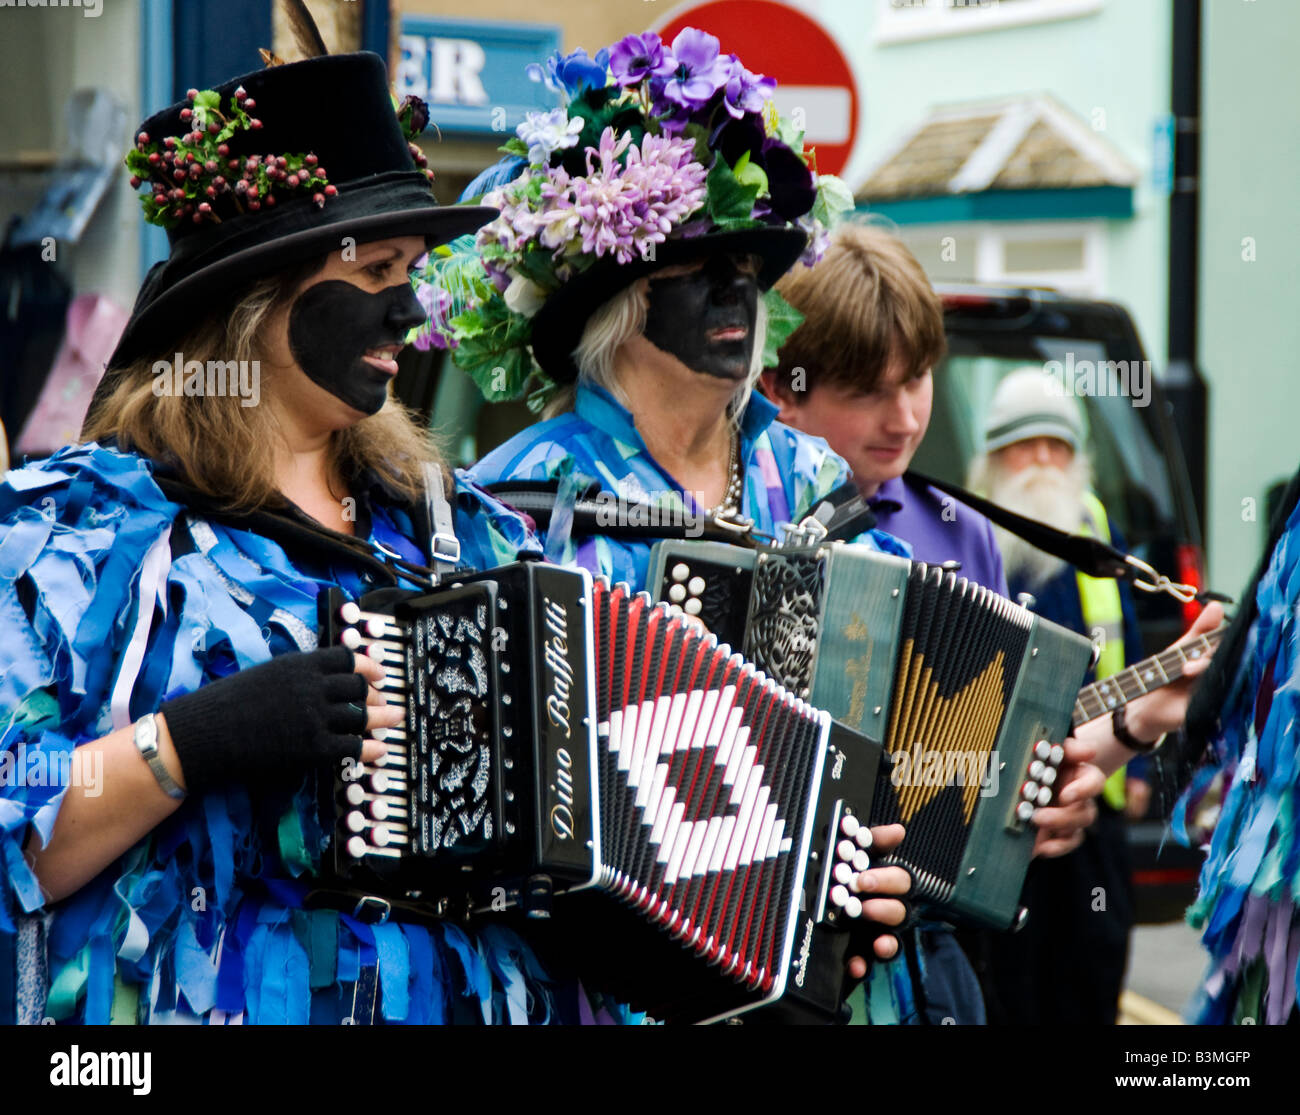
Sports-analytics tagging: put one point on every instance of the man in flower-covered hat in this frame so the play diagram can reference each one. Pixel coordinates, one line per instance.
(628, 284)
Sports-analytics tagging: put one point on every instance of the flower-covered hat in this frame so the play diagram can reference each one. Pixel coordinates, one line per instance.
(269, 170)
(662, 155)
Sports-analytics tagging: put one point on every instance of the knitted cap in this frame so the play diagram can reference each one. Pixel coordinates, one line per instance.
(1029, 403)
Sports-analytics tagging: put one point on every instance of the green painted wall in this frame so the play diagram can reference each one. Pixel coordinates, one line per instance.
(1111, 67)
(1249, 322)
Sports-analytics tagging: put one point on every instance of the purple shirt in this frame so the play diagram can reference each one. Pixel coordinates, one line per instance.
(939, 528)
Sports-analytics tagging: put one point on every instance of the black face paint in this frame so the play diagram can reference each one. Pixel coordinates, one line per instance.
(331, 326)
(686, 312)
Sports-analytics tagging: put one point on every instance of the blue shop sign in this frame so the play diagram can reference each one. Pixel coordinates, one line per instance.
(471, 72)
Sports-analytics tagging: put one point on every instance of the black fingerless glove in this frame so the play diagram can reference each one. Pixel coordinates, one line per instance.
(269, 724)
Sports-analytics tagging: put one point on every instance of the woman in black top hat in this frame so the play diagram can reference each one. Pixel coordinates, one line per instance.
(163, 701)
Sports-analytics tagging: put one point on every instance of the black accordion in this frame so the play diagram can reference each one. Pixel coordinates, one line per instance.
(969, 693)
(576, 753)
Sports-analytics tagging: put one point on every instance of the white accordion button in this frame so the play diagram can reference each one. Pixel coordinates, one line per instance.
(853, 907)
(696, 585)
(849, 825)
(863, 837)
(1029, 791)
(861, 861)
(1036, 769)
(1024, 811)
(692, 606)
(355, 794)
(1057, 754)
(681, 571)
(357, 821)
(357, 847)
(676, 593)
(843, 873)
(1045, 795)
(845, 849)
(350, 612)
(1048, 776)
(351, 638)
(1042, 749)
(840, 896)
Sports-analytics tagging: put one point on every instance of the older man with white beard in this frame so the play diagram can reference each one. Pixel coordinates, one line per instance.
(1067, 966)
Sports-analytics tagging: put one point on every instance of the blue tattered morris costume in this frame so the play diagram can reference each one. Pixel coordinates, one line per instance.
(786, 473)
(203, 920)
(1248, 906)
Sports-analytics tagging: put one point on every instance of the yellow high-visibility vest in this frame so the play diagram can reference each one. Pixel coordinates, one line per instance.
(1103, 613)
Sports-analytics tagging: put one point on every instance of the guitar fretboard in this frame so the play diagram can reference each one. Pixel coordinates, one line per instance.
(1151, 673)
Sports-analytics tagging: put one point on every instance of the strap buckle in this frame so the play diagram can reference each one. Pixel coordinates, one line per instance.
(373, 910)
(1157, 582)
(739, 525)
(445, 548)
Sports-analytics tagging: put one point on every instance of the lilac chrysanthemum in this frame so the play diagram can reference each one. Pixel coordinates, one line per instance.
(624, 210)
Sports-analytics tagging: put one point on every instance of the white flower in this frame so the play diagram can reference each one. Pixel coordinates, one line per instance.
(524, 296)
(547, 132)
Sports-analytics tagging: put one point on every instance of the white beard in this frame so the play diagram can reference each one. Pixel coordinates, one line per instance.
(1050, 495)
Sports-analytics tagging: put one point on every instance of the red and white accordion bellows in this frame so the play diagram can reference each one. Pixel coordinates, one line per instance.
(706, 763)
(577, 753)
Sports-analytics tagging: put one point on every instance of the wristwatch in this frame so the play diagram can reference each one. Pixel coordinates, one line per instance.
(1127, 738)
(146, 742)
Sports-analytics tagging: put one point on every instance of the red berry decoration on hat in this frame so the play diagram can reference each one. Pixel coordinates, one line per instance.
(194, 176)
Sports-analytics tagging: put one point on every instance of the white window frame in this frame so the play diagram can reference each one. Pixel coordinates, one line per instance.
(990, 238)
(903, 21)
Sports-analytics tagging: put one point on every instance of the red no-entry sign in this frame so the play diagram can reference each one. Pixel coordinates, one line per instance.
(814, 80)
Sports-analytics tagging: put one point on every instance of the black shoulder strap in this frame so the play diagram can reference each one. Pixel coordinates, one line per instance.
(843, 513)
(1091, 555)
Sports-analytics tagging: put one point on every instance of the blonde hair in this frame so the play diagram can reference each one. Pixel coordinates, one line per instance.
(617, 322)
(867, 302)
(220, 447)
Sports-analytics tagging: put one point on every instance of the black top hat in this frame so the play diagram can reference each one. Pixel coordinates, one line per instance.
(337, 107)
(558, 325)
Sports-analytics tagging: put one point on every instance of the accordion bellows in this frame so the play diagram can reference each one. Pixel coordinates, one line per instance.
(579, 754)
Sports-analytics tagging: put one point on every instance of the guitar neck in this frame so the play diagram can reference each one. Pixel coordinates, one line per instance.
(1151, 673)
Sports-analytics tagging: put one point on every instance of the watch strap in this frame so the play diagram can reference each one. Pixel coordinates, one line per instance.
(146, 742)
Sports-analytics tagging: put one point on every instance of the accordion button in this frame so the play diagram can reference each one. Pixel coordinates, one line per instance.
(350, 612)
(1036, 770)
(692, 606)
(1029, 791)
(843, 873)
(357, 821)
(861, 861)
(863, 837)
(1024, 811)
(351, 638)
(676, 593)
(681, 571)
(357, 847)
(845, 849)
(1042, 750)
(853, 907)
(840, 896)
(1045, 795)
(1058, 753)
(1048, 777)
(849, 825)
(695, 585)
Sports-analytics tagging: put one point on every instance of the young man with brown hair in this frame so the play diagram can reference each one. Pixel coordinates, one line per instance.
(858, 373)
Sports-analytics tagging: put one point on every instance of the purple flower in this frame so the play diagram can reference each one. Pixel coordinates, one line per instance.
(789, 180)
(637, 57)
(697, 73)
(437, 304)
(746, 92)
(571, 73)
